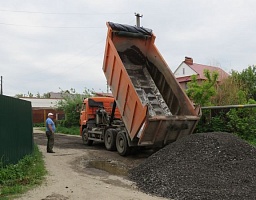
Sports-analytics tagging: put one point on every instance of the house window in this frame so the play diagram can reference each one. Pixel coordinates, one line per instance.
(183, 69)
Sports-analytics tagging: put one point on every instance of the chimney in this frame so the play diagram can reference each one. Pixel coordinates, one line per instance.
(188, 60)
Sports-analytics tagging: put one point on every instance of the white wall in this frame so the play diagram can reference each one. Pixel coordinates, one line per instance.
(179, 72)
(42, 103)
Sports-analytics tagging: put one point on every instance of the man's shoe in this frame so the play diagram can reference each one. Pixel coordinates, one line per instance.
(50, 152)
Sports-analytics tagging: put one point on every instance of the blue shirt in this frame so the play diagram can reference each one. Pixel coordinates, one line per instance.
(49, 121)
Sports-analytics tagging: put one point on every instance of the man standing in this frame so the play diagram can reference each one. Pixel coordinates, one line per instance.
(50, 129)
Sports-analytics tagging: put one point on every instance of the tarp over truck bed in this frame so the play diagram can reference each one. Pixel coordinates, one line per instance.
(154, 108)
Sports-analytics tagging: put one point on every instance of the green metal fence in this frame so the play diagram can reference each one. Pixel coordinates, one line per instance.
(16, 129)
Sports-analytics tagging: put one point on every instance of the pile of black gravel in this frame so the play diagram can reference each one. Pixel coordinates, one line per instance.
(200, 166)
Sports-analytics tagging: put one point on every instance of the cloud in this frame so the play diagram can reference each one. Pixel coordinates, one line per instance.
(38, 54)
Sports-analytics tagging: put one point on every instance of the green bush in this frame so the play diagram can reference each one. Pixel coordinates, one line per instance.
(240, 121)
(202, 92)
(38, 125)
(208, 123)
(70, 105)
(74, 130)
(29, 171)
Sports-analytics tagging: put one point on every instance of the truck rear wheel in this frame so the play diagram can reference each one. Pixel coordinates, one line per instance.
(122, 144)
(85, 136)
(110, 139)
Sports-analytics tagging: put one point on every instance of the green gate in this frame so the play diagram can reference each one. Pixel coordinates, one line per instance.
(16, 129)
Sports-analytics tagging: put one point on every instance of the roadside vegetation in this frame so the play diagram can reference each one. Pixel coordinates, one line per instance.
(27, 173)
(73, 130)
(237, 89)
(71, 105)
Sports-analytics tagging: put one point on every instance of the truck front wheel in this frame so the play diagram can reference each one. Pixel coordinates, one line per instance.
(122, 144)
(110, 139)
(85, 136)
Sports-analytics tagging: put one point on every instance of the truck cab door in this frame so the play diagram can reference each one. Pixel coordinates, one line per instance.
(83, 114)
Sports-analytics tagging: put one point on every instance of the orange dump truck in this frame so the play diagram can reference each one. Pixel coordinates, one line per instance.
(99, 121)
(148, 107)
(154, 109)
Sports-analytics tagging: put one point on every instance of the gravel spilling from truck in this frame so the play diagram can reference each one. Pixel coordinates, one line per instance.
(200, 166)
(135, 64)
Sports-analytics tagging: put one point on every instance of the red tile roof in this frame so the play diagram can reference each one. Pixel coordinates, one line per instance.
(199, 69)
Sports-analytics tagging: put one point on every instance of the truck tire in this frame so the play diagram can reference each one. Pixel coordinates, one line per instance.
(85, 136)
(110, 139)
(122, 144)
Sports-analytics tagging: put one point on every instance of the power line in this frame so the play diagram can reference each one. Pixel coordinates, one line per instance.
(65, 70)
(85, 27)
(53, 13)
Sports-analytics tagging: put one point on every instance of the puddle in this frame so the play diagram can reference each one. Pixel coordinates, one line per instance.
(111, 167)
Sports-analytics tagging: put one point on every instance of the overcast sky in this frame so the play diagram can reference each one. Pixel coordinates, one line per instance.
(46, 45)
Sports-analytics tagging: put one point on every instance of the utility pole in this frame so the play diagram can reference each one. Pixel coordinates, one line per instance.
(1, 85)
(107, 88)
(138, 16)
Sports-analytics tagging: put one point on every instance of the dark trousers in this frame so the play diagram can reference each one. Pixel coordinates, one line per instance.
(50, 140)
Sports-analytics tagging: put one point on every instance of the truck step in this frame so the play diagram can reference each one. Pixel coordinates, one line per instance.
(95, 132)
(95, 139)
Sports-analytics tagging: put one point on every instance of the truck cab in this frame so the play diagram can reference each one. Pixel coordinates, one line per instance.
(97, 115)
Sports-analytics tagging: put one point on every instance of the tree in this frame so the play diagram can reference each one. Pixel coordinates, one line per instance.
(38, 95)
(30, 94)
(69, 104)
(46, 95)
(230, 92)
(248, 78)
(19, 95)
(201, 93)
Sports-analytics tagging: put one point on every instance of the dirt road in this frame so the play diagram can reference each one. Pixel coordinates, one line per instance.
(74, 172)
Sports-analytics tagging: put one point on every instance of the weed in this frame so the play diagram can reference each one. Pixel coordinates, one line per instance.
(17, 178)
(74, 130)
(38, 124)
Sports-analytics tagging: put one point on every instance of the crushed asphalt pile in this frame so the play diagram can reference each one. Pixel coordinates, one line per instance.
(200, 166)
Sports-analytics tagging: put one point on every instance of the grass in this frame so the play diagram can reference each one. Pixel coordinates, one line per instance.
(39, 125)
(252, 142)
(27, 173)
(74, 130)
